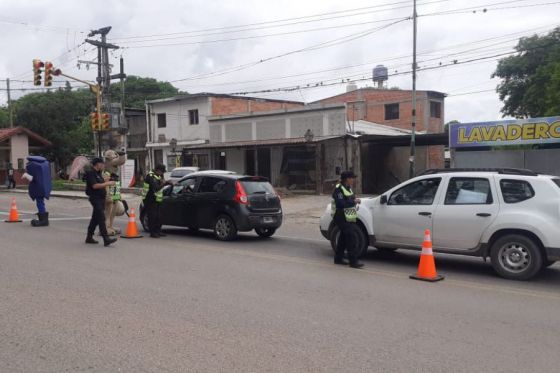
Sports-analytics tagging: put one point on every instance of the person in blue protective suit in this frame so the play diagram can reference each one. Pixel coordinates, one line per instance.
(38, 173)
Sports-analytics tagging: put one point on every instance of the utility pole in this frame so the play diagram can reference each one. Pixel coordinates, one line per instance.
(10, 111)
(103, 72)
(412, 160)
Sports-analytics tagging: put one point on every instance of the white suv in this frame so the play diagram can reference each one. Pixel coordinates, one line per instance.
(509, 215)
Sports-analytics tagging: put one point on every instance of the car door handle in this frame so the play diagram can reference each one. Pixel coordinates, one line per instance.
(483, 214)
(425, 213)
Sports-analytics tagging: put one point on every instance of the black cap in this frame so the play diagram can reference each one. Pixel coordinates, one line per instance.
(160, 167)
(347, 175)
(97, 160)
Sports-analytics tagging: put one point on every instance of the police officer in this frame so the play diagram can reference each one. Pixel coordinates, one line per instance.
(152, 194)
(345, 215)
(96, 190)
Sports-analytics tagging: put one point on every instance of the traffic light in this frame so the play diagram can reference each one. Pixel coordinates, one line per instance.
(37, 65)
(94, 119)
(48, 73)
(105, 120)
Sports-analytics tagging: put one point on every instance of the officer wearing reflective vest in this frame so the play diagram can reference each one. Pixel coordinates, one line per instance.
(152, 195)
(345, 214)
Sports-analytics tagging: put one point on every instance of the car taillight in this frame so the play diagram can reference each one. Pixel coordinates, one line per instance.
(240, 195)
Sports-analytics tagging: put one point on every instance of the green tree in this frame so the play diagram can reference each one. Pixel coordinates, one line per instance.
(4, 117)
(530, 84)
(62, 117)
(138, 90)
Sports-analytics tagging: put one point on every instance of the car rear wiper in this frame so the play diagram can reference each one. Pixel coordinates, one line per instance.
(260, 192)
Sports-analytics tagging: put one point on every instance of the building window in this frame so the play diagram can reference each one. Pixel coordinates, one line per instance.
(391, 111)
(162, 120)
(193, 116)
(435, 109)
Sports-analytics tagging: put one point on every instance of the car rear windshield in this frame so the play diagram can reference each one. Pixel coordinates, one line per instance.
(254, 187)
(557, 182)
(180, 173)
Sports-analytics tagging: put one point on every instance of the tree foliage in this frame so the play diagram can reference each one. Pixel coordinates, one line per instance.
(138, 90)
(62, 117)
(530, 84)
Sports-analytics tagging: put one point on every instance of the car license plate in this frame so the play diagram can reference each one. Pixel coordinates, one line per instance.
(268, 219)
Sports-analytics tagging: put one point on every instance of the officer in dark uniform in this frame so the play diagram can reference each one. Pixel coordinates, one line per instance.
(345, 215)
(152, 194)
(96, 190)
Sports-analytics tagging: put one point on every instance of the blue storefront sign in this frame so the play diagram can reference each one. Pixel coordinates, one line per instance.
(505, 132)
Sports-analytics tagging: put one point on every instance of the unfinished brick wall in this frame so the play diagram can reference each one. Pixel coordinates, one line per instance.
(375, 100)
(228, 105)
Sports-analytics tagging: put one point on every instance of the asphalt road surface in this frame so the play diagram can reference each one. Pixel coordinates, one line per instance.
(188, 303)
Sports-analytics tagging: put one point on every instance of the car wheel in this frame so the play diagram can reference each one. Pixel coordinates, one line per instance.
(224, 228)
(516, 257)
(144, 222)
(360, 238)
(265, 232)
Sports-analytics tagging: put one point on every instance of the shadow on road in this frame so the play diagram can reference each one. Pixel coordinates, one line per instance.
(402, 260)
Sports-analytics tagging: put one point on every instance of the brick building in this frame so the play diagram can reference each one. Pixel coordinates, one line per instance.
(393, 107)
(176, 122)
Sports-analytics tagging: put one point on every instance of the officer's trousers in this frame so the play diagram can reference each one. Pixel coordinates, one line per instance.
(154, 217)
(97, 217)
(347, 241)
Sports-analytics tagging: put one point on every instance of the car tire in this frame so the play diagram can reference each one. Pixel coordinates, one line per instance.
(516, 257)
(265, 232)
(224, 228)
(144, 222)
(361, 239)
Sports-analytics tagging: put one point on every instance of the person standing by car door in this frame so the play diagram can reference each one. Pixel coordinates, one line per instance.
(152, 194)
(344, 216)
(96, 190)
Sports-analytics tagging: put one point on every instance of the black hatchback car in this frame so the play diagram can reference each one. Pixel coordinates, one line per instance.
(226, 203)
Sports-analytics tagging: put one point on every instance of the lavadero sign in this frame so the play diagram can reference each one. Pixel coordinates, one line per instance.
(505, 132)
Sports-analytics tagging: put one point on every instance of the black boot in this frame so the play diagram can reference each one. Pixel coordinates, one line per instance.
(43, 220)
(107, 241)
(89, 239)
(356, 265)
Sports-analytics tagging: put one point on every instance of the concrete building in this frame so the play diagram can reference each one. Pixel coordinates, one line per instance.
(15, 145)
(302, 148)
(177, 122)
(393, 107)
(136, 139)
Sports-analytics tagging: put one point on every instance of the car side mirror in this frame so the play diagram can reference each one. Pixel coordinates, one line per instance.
(383, 199)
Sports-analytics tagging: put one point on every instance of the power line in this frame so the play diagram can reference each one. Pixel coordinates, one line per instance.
(228, 29)
(326, 44)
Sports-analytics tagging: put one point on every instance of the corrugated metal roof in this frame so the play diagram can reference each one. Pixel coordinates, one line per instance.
(270, 142)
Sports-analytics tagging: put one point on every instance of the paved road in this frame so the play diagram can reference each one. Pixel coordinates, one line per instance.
(187, 303)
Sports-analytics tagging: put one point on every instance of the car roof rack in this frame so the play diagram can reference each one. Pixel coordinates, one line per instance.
(504, 171)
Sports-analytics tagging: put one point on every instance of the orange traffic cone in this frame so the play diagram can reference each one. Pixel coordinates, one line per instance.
(427, 265)
(131, 229)
(14, 216)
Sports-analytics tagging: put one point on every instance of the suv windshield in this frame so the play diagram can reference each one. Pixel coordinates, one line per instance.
(254, 187)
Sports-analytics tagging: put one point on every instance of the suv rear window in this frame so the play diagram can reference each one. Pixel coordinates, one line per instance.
(254, 187)
(515, 191)
(468, 191)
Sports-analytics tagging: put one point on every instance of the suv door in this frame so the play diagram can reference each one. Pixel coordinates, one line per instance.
(408, 212)
(468, 208)
(208, 197)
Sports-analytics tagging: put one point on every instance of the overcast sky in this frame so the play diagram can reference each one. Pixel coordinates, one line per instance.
(201, 44)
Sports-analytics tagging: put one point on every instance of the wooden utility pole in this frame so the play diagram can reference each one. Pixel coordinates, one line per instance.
(10, 110)
(412, 171)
